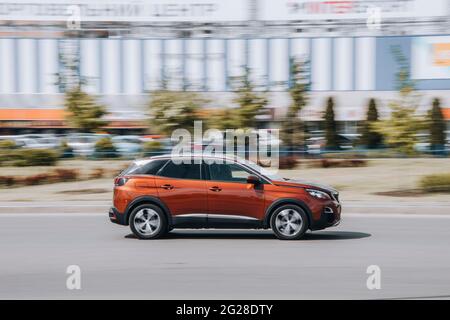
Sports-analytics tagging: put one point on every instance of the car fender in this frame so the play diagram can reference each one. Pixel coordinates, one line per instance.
(148, 199)
(283, 201)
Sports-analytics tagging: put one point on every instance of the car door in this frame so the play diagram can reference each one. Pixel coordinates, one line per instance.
(230, 194)
(181, 188)
(144, 176)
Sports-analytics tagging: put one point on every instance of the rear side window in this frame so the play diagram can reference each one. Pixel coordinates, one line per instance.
(181, 171)
(151, 168)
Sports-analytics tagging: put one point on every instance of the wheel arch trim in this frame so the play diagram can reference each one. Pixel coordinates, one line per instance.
(286, 201)
(150, 200)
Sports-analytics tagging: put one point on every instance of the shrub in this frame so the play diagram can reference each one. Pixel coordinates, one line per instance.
(152, 148)
(39, 157)
(98, 173)
(288, 162)
(104, 148)
(436, 183)
(339, 163)
(19, 163)
(65, 150)
(341, 155)
(37, 179)
(7, 181)
(8, 157)
(7, 144)
(28, 157)
(63, 175)
(57, 175)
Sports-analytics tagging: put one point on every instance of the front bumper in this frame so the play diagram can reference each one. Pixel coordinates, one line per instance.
(116, 217)
(330, 216)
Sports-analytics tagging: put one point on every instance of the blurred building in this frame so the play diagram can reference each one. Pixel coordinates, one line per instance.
(126, 49)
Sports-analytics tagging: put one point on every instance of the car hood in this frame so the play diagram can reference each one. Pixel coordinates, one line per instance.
(304, 184)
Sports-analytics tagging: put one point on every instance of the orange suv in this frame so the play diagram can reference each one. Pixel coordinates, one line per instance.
(157, 194)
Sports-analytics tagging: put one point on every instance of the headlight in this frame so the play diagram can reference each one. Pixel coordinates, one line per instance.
(318, 194)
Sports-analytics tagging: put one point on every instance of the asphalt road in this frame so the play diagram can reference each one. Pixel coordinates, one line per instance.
(411, 250)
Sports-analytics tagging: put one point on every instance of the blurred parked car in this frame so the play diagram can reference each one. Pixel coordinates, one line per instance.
(30, 143)
(127, 145)
(37, 141)
(83, 144)
(424, 146)
(316, 145)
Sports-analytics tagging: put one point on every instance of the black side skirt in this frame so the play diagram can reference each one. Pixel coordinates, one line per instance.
(211, 222)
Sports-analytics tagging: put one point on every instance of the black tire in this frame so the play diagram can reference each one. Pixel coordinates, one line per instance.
(289, 222)
(151, 218)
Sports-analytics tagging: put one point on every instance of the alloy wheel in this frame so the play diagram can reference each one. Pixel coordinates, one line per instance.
(147, 221)
(289, 222)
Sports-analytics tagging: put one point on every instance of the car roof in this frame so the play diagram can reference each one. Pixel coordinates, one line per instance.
(237, 159)
(171, 156)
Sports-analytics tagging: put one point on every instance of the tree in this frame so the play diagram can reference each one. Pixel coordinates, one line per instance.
(292, 128)
(436, 124)
(370, 137)
(400, 131)
(251, 104)
(83, 112)
(69, 75)
(331, 137)
(222, 119)
(104, 148)
(172, 110)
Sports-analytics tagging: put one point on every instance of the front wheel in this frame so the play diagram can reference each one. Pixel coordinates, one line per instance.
(289, 222)
(147, 221)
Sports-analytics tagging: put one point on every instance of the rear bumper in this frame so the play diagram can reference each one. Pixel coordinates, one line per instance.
(116, 217)
(330, 217)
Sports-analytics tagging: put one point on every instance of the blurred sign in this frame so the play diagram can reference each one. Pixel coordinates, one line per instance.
(446, 112)
(285, 10)
(123, 10)
(441, 54)
(430, 58)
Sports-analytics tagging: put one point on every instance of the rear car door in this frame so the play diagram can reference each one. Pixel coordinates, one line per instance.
(230, 194)
(181, 188)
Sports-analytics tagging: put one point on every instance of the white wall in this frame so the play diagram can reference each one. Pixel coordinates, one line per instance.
(131, 66)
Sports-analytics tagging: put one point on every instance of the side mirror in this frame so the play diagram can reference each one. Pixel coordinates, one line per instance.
(253, 179)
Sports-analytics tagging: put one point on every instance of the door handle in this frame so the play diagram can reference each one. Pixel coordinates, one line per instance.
(167, 186)
(215, 189)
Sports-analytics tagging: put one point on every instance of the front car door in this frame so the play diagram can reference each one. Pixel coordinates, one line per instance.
(181, 188)
(229, 194)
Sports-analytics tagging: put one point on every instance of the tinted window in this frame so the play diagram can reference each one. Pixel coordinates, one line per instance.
(151, 167)
(181, 171)
(228, 172)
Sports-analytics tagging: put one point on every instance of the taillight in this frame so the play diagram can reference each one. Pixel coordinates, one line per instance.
(120, 181)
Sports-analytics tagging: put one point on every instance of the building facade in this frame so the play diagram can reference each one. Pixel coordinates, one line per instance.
(126, 52)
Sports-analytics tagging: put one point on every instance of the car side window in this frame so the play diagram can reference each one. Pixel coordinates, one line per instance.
(230, 172)
(150, 168)
(190, 171)
(153, 167)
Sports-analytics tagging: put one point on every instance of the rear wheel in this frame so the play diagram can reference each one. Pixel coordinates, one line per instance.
(289, 222)
(147, 221)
